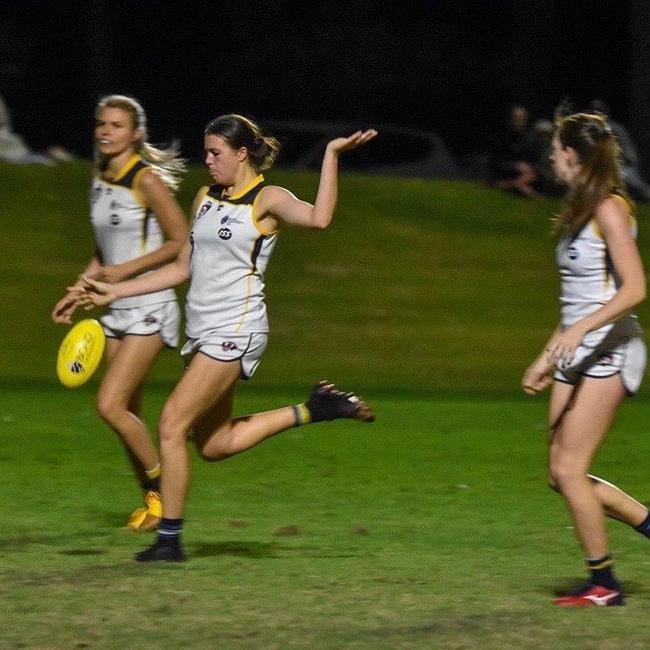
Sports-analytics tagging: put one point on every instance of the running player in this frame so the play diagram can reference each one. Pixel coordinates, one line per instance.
(138, 226)
(236, 222)
(596, 355)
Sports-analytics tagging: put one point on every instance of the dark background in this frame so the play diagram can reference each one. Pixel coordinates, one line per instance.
(452, 67)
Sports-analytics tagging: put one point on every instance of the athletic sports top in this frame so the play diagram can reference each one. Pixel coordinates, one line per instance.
(125, 228)
(588, 278)
(230, 253)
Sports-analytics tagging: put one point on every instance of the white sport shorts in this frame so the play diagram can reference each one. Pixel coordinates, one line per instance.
(624, 355)
(247, 348)
(162, 317)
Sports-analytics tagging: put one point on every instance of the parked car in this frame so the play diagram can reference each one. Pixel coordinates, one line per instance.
(397, 151)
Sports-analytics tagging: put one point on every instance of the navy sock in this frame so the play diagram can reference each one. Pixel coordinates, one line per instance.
(602, 572)
(644, 526)
(151, 484)
(169, 532)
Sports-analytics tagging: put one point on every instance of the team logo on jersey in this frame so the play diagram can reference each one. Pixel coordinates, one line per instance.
(228, 346)
(204, 208)
(224, 233)
(573, 253)
(228, 219)
(115, 219)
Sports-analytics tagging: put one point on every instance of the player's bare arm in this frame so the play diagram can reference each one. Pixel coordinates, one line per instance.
(614, 224)
(98, 294)
(158, 198)
(277, 204)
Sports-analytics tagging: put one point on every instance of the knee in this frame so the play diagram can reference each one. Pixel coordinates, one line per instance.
(211, 451)
(211, 456)
(109, 408)
(171, 429)
(562, 475)
(553, 484)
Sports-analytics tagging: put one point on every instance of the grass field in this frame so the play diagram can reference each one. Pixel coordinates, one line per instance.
(431, 528)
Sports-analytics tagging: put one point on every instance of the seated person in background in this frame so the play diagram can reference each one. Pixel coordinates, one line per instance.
(513, 154)
(14, 149)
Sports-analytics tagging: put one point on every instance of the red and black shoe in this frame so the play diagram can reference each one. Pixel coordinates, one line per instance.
(592, 596)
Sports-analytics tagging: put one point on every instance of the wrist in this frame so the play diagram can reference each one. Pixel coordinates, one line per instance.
(581, 328)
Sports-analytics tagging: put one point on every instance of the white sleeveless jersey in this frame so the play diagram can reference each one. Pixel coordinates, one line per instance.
(230, 253)
(589, 280)
(125, 228)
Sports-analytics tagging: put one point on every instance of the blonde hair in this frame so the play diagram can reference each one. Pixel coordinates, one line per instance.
(167, 163)
(239, 131)
(589, 135)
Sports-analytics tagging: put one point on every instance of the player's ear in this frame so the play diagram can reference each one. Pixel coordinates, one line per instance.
(138, 135)
(572, 155)
(242, 154)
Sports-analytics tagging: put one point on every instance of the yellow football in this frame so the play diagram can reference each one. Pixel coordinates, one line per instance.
(80, 353)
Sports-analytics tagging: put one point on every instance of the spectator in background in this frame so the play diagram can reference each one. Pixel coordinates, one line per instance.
(513, 154)
(546, 182)
(14, 149)
(635, 184)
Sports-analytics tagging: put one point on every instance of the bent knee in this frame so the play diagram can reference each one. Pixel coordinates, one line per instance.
(211, 453)
(110, 408)
(171, 428)
(553, 484)
(563, 476)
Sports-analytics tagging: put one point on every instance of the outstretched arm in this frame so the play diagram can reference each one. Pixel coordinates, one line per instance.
(279, 205)
(97, 294)
(63, 310)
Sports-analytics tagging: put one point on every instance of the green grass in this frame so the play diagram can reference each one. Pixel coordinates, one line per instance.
(431, 528)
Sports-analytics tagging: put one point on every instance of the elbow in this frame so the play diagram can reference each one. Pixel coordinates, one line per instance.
(174, 248)
(641, 292)
(637, 296)
(320, 224)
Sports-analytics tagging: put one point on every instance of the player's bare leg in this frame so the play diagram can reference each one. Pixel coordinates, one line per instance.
(129, 362)
(118, 402)
(203, 402)
(588, 414)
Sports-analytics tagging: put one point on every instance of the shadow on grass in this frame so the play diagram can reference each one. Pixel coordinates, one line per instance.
(262, 550)
(109, 518)
(82, 551)
(235, 549)
(564, 587)
(20, 543)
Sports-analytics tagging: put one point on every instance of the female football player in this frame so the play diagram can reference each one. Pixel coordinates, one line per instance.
(236, 223)
(138, 226)
(596, 355)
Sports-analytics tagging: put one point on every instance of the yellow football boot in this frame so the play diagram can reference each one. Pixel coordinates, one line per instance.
(147, 518)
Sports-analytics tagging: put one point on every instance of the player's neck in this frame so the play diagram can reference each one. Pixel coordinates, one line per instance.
(245, 179)
(115, 164)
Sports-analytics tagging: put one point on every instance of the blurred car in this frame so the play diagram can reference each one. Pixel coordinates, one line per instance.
(397, 151)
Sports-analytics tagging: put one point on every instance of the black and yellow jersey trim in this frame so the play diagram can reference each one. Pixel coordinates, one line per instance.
(245, 197)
